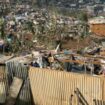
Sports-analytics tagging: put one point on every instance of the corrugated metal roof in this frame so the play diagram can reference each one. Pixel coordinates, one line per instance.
(97, 20)
(4, 58)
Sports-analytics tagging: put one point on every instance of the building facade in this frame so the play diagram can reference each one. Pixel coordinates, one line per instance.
(97, 26)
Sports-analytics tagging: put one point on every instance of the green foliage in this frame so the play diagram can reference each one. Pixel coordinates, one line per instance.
(2, 29)
(2, 32)
(83, 17)
(1, 21)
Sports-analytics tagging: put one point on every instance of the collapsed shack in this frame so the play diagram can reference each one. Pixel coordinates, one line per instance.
(85, 64)
(14, 79)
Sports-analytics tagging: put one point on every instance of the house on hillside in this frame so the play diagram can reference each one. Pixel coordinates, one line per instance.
(97, 26)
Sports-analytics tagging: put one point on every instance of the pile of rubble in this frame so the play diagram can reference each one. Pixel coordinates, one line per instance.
(24, 27)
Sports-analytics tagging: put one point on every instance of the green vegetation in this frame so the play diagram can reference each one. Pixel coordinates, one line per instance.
(2, 29)
(83, 17)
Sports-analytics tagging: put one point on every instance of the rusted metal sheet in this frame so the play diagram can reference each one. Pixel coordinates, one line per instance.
(57, 87)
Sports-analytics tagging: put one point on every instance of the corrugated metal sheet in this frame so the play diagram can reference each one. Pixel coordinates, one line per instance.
(17, 69)
(103, 88)
(99, 102)
(56, 87)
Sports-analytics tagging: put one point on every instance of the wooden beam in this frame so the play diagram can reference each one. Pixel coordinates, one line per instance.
(14, 91)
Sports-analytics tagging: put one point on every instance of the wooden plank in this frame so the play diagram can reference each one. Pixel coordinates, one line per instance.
(14, 91)
(81, 97)
(85, 55)
(79, 62)
(2, 84)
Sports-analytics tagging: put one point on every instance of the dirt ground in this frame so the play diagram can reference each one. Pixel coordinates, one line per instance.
(77, 44)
